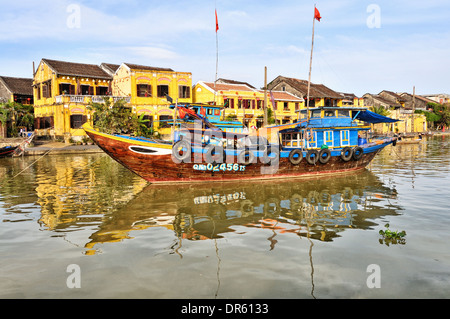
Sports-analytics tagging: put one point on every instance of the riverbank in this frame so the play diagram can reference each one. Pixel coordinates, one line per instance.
(57, 148)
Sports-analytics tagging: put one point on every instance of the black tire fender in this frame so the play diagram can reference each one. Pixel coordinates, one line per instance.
(324, 155)
(295, 156)
(246, 157)
(357, 153)
(267, 158)
(346, 154)
(312, 156)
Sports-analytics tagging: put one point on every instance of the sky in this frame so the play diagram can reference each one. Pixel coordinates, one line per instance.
(359, 46)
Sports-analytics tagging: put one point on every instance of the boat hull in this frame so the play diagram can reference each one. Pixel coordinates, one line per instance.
(154, 162)
(7, 151)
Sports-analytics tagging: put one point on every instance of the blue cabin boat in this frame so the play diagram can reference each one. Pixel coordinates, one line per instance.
(332, 131)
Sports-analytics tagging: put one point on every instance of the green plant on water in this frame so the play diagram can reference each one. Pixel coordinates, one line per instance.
(392, 237)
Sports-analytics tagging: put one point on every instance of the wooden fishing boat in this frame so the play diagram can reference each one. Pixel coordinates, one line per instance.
(7, 151)
(326, 143)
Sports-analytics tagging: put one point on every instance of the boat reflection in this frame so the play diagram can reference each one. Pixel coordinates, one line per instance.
(319, 209)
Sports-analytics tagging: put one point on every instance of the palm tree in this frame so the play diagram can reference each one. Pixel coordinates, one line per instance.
(381, 110)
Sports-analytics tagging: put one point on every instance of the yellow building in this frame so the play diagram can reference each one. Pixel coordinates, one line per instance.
(61, 91)
(245, 103)
(396, 109)
(150, 89)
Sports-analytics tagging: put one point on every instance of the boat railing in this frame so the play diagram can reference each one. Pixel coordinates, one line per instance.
(59, 99)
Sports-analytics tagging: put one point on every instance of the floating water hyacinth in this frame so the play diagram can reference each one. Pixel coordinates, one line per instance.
(392, 237)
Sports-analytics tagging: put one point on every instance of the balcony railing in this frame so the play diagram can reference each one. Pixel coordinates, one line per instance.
(88, 98)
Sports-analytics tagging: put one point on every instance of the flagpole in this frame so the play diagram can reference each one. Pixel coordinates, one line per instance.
(217, 56)
(310, 65)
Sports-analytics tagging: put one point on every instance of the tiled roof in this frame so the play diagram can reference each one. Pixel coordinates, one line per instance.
(392, 94)
(284, 96)
(18, 85)
(226, 81)
(381, 99)
(77, 69)
(316, 90)
(110, 67)
(145, 67)
(228, 87)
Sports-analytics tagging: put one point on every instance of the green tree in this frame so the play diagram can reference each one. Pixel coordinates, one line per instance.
(270, 116)
(117, 117)
(381, 110)
(438, 115)
(16, 115)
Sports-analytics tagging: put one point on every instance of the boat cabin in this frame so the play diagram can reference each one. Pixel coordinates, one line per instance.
(327, 127)
(214, 114)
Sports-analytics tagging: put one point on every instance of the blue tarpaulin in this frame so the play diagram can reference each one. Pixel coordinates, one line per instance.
(371, 117)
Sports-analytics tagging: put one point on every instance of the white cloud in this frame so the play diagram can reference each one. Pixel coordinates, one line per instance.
(348, 56)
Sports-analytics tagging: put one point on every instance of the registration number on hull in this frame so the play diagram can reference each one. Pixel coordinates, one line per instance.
(219, 167)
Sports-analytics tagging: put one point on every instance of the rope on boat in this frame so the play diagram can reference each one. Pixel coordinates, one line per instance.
(27, 167)
(393, 149)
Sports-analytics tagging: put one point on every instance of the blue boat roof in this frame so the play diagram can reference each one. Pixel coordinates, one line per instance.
(362, 114)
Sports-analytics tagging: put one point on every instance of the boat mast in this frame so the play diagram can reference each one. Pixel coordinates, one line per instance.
(217, 53)
(310, 65)
(265, 96)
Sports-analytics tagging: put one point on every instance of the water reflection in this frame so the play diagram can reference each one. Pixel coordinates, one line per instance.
(315, 208)
(93, 193)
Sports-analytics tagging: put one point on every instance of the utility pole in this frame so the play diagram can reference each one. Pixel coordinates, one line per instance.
(413, 109)
(265, 96)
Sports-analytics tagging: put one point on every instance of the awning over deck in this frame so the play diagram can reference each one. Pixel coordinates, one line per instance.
(371, 117)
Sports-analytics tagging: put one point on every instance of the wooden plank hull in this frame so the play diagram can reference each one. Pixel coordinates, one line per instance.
(160, 167)
(7, 151)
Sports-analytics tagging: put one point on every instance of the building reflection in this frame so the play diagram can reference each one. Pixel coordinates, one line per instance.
(320, 209)
(95, 195)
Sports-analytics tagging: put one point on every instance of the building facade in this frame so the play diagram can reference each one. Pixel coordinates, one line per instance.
(63, 90)
(319, 94)
(399, 107)
(14, 89)
(245, 103)
(152, 90)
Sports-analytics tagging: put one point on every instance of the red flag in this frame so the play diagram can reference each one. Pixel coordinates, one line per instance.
(181, 113)
(317, 14)
(202, 111)
(217, 23)
(272, 98)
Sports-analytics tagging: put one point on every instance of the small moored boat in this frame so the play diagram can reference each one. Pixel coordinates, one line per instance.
(7, 151)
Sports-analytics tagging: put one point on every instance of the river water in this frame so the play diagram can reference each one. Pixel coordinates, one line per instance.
(82, 226)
